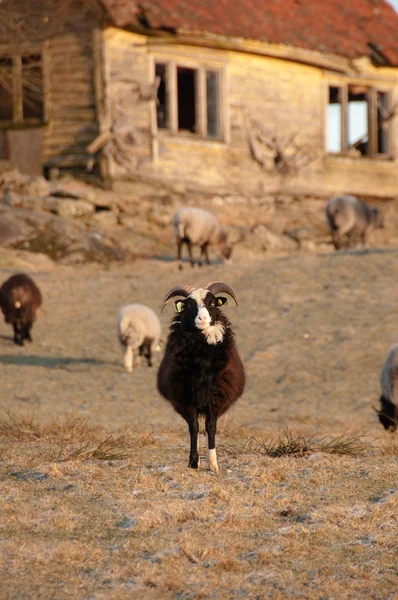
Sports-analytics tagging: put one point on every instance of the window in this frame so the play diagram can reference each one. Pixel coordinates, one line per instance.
(21, 89)
(357, 120)
(189, 100)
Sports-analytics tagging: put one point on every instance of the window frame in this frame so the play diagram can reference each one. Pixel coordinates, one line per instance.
(16, 56)
(372, 120)
(171, 94)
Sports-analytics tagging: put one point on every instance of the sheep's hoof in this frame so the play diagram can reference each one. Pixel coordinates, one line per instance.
(193, 463)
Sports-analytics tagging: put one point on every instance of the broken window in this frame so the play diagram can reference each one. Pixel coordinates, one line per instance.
(188, 100)
(383, 116)
(358, 135)
(212, 101)
(32, 87)
(357, 119)
(161, 107)
(333, 121)
(21, 88)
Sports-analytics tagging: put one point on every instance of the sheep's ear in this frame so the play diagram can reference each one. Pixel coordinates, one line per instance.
(179, 304)
(221, 300)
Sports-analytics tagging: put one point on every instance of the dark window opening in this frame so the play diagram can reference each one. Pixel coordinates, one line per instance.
(32, 87)
(213, 104)
(334, 120)
(382, 122)
(161, 102)
(6, 89)
(358, 117)
(186, 98)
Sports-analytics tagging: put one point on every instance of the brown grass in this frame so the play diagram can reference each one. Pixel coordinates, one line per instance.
(289, 444)
(101, 504)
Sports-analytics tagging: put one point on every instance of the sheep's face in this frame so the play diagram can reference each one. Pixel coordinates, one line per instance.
(388, 415)
(199, 314)
(226, 251)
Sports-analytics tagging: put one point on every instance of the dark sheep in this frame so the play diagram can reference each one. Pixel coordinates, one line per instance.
(20, 299)
(201, 373)
(349, 217)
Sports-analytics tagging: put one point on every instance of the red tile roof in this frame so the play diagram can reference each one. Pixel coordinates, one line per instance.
(340, 27)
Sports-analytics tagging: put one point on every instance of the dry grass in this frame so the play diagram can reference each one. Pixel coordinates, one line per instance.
(101, 504)
(290, 444)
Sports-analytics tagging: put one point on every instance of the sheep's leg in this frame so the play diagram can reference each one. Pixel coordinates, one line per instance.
(148, 352)
(18, 337)
(200, 256)
(206, 252)
(336, 240)
(179, 248)
(190, 253)
(211, 429)
(128, 358)
(193, 425)
(351, 239)
(27, 334)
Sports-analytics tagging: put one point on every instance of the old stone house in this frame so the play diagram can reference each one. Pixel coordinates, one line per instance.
(229, 96)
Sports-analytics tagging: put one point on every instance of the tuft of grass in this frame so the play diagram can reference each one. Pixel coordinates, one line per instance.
(73, 439)
(288, 444)
(73, 429)
(108, 449)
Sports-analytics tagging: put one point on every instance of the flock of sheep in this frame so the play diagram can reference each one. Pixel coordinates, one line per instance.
(201, 373)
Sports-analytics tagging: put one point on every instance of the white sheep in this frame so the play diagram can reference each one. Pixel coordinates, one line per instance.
(198, 227)
(138, 328)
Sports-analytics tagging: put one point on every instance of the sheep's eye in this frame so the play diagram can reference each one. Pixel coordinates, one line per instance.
(212, 305)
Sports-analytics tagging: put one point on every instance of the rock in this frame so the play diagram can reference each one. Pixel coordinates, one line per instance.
(127, 220)
(15, 181)
(67, 207)
(24, 260)
(37, 186)
(160, 215)
(74, 188)
(13, 230)
(51, 204)
(105, 217)
(263, 239)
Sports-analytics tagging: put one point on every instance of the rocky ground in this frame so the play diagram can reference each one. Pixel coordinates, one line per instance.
(73, 222)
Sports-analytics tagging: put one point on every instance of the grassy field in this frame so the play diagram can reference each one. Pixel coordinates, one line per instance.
(96, 497)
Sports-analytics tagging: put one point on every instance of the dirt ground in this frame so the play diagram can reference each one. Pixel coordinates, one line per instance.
(313, 330)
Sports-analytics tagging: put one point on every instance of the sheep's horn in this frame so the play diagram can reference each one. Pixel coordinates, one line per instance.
(183, 290)
(217, 287)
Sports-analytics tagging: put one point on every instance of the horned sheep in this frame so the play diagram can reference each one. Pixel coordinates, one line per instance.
(138, 328)
(388, 415)
(348, 216)
(20, 300)
(198, 227)
(201, 373)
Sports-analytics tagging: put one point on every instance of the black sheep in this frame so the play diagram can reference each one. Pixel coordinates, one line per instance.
(201, 373)
(20, 299)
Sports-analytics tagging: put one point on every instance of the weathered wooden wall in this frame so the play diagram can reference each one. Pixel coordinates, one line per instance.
(285, 97)
(66, 32)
